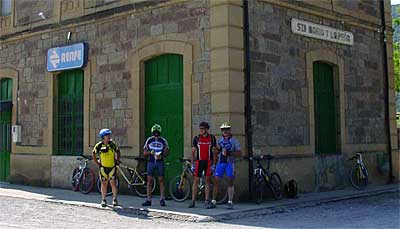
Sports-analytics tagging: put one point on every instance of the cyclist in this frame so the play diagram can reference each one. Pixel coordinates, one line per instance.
(155, 148)
(109, 155)
(228, 149)
(203, 147)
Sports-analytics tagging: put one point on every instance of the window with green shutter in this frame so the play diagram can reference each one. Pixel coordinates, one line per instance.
(68, 138)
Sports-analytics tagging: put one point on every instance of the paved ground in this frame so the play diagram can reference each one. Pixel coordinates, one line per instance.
(373, 212)
(175, 210)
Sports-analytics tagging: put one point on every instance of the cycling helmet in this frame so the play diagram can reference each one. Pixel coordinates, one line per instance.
(156, 127)
(204, 125)
(225, 125)
(104, 132)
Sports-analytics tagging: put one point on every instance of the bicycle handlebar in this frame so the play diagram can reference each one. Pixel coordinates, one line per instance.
(81, 157)
(260, 158)
(354, 157)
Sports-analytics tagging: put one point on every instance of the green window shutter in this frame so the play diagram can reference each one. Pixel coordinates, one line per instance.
(5, 89)
(69, 115)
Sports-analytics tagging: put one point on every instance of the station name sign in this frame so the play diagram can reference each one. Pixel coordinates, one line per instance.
(66, 57)
(321, 32)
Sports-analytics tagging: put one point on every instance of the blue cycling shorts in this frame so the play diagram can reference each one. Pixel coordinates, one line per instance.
(151, 166)
(225, 168)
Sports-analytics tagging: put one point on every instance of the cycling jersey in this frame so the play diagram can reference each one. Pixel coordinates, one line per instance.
(158, 146)
(107, 153)
(231, 145)
(204, 145)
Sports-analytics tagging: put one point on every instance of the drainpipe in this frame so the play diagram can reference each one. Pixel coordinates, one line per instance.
(386, 87)
(248, 127)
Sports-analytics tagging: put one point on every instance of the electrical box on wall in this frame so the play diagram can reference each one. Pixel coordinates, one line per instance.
(16, 133)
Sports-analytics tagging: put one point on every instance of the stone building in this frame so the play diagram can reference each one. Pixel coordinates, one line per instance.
(310, 82)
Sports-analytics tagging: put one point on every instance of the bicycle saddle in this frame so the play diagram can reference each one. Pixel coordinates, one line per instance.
(139, 158)
(184, 160)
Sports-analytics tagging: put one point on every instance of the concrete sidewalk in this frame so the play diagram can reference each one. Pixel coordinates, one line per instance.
(179, 211)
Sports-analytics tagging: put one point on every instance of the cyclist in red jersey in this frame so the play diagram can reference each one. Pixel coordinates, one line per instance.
(203, 149)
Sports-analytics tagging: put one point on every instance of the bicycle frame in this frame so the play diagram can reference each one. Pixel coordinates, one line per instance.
(361, 165)
(134, 174)
(186, 172)
(261, 171)
(82, 168)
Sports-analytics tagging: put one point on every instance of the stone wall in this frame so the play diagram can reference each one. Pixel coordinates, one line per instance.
(27, 10)
(357, 8)
(279, 92)
(109, 43)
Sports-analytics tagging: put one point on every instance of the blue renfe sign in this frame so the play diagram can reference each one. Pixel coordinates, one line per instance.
(67, 57)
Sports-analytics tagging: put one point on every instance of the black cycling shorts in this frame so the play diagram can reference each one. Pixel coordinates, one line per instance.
(203, 166)
(107, 173)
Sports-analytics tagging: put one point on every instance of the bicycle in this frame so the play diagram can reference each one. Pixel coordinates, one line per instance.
(82, 176)
(180, 187)
(358, 174)
(263, 178)
(133, 178)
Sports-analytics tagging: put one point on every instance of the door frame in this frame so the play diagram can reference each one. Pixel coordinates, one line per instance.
(337, 63)
(144, 52)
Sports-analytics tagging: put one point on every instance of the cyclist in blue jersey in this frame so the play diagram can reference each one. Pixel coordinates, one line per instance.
(155, 148)
(228, 150)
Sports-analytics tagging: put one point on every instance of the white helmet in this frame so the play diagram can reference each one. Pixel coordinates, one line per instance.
(225, 125)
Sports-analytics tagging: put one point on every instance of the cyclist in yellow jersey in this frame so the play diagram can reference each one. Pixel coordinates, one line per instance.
(109, 155)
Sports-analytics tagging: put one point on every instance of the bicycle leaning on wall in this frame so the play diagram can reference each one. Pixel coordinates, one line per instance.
(180, 187)
(83, 177)
(133, 178)
(263, 178)
(358, 174)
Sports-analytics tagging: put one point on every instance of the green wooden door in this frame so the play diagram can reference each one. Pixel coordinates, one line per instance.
(69, 115)
(324, 107)
(5, 129)
(164, 105)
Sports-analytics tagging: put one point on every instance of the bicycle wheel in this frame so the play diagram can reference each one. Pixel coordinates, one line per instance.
(109, 190)
(222, 195)
(275, 185)
(258, 189)
(358, 177)
(87, 181)
(180, 191)
(75, 179)
(141, 190)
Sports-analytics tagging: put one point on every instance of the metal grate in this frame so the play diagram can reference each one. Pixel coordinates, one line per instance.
(69, 126)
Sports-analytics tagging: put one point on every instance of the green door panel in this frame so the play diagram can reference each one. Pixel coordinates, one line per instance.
(5, 130)
(164, 105)
(324, 107)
